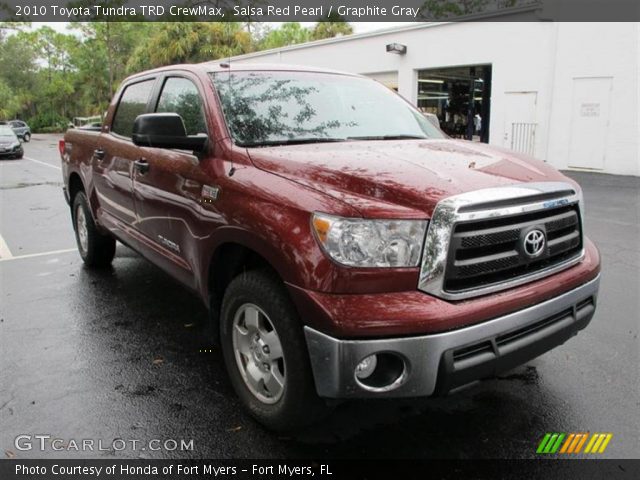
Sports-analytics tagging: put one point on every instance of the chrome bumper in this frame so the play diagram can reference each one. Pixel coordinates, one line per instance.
(441, 362)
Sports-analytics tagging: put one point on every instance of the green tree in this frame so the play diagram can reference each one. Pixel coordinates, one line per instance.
(9, 104)
(17, 57)
(290, 33)
(93, 92)
(114, 41)
(18, 73)
(189, 42)
(333, 26)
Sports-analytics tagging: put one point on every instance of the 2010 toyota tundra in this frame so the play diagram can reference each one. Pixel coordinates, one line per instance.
(344, 246)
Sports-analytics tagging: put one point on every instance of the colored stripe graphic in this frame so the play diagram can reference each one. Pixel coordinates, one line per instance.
(598, 443)
(556, 446)
(581, 442)
(551, 443)
(567, 442)
(572, 443)
(543, 443)
(607, 439)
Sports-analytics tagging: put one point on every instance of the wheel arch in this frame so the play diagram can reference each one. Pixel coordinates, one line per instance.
(236, 251)
(75, 186)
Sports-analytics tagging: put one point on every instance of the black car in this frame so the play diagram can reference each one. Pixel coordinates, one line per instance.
(10, 146)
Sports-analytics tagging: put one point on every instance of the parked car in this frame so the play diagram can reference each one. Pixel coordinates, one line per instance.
(21, 129)
(344, 246)
(10, 146)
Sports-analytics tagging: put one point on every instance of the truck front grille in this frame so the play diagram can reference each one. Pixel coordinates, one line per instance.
(492, 250)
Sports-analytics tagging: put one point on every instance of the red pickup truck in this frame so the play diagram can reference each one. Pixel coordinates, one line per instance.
(344, 246)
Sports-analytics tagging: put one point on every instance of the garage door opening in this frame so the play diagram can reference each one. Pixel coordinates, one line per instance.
(460, 97)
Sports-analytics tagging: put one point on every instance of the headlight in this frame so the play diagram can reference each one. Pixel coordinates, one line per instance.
(359, 242)
(15, 145)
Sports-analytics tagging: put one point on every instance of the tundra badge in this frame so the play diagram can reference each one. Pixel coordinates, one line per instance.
(209, 193)
(169, 244)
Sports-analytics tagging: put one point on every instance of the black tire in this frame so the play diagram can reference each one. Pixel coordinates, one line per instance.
(298, 405)
(19, 156)
(97, 250)
(26, 137)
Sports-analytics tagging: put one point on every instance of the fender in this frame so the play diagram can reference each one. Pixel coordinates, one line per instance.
(276, 258)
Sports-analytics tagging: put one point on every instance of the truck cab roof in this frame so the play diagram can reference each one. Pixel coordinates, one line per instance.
(222, 65)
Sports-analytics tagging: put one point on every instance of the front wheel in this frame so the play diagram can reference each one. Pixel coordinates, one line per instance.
(266, 355)
(26, 137)
(96, 250)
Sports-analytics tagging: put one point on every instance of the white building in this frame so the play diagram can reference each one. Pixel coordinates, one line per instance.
(567, 93)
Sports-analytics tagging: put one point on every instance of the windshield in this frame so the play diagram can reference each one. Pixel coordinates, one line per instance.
(272, 108)
(5, 131)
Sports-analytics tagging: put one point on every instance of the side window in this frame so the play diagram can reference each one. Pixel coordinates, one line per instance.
(181, 96)
(133, 102)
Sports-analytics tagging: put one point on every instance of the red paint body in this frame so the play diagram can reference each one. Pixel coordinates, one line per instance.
(266, 205)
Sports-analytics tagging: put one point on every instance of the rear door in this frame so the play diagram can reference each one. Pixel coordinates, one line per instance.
(168, 191)
(114, 157)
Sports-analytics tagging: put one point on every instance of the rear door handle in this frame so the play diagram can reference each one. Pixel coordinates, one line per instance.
(141, 165)
(99, 153)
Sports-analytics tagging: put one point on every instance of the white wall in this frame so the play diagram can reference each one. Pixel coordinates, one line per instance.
(588, 50)
(526, 57)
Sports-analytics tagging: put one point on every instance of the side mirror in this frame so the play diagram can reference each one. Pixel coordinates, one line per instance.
(165, 130)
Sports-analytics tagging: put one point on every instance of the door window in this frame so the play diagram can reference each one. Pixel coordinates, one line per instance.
(180, 95)
(133, 102)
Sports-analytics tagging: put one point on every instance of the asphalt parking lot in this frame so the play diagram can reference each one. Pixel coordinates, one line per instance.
(118, 354)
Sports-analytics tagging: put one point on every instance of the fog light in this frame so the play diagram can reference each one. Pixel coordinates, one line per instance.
(381, 372)
(366, 367)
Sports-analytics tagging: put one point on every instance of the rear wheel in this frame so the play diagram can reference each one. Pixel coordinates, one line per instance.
(96, 250)
(266, 355)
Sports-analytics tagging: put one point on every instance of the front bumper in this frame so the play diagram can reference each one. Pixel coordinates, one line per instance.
(438, 363)
(11, 153)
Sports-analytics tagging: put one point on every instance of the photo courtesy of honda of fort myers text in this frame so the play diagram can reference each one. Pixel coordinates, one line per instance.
(334, 239)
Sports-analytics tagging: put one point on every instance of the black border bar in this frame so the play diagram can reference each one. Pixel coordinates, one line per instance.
(319, 10)
(320, 469)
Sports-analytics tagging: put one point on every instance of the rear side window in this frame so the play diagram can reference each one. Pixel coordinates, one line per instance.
(181, 96)
(133, 102)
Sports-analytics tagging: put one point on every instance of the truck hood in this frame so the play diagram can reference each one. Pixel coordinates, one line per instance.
(400, 179)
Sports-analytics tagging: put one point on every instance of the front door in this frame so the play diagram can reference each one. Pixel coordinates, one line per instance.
(168, 190)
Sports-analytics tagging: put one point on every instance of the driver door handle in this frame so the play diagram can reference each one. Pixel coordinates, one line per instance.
(99, 153)
(141, 165)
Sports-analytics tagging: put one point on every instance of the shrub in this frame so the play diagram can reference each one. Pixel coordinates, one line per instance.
(47, 122)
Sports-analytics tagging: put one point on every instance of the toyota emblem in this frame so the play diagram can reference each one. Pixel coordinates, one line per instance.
(533, 243)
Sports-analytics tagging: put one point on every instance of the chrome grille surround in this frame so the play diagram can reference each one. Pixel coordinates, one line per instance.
(491, 203)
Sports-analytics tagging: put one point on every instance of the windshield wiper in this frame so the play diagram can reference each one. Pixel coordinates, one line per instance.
(389, 137)
(293, 141)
